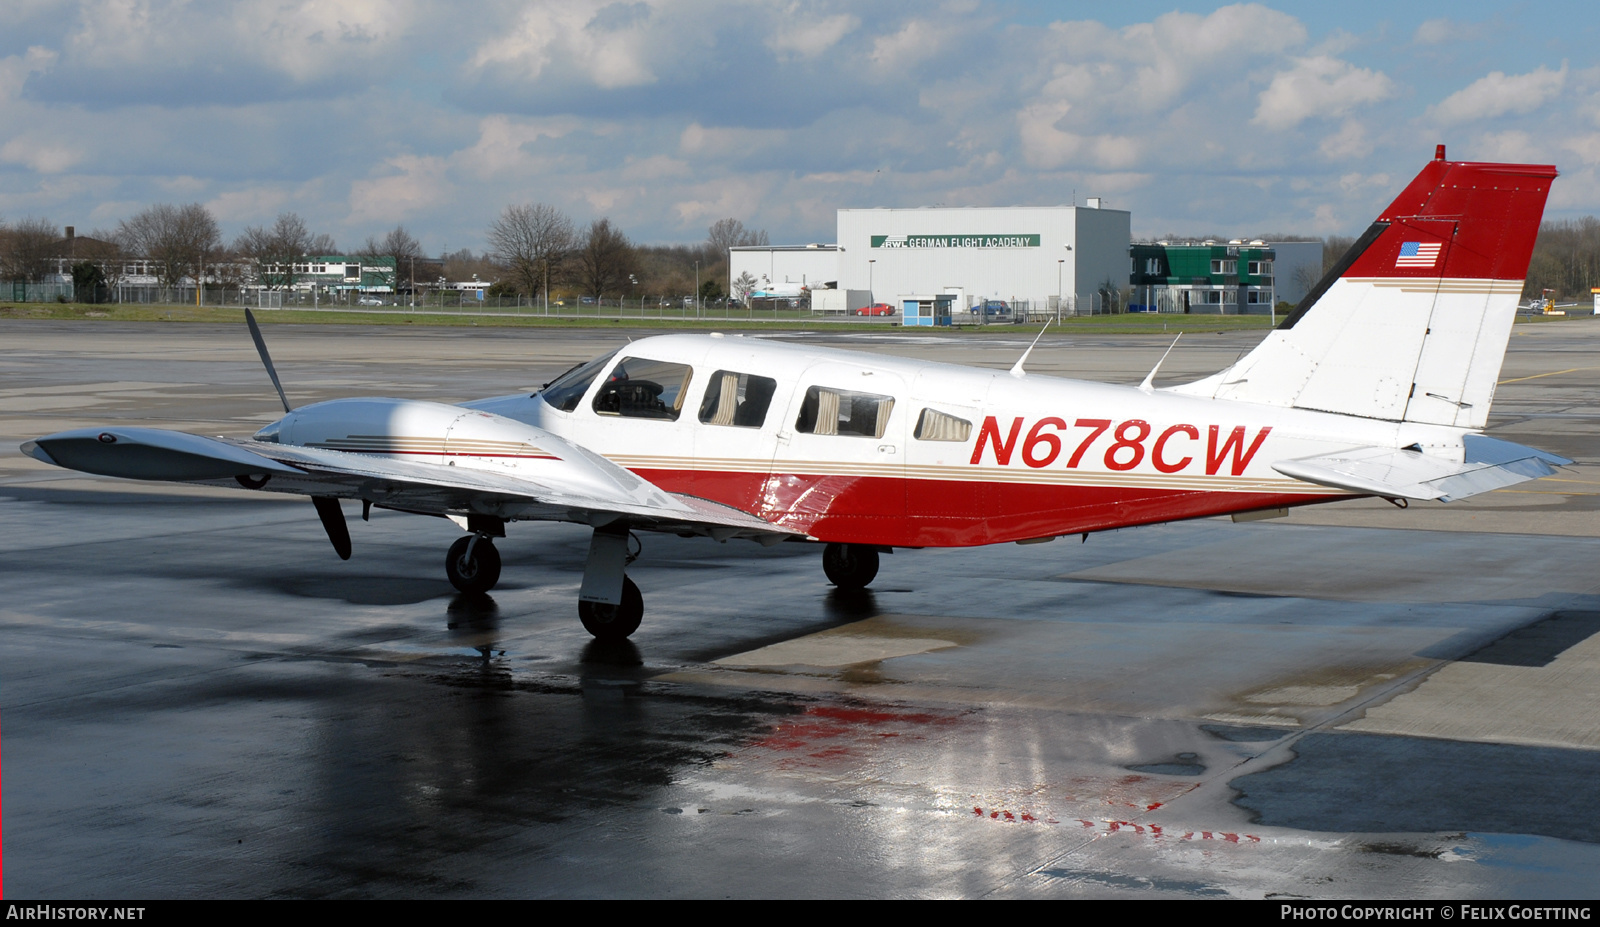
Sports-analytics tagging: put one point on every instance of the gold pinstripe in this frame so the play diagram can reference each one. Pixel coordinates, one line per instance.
(964, 473)
(1470, 285)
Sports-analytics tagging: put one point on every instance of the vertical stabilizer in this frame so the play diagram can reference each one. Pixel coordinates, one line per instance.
(1412, 324)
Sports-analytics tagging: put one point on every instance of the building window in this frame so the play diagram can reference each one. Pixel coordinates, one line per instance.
(1152, 266)
(1260, 268)
(1219, 266)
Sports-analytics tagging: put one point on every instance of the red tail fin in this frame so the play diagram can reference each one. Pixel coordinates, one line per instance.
(1461, 220)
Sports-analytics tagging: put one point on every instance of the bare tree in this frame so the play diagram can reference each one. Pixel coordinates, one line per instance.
(742, 286)
(179, 240)
(399, 252)
(275, 251)
(29, 247)
(605, 259)
(731, 233)
(1566, 258)
(531, 242)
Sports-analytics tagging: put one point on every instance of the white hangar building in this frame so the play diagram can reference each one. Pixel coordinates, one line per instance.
(1027, 256)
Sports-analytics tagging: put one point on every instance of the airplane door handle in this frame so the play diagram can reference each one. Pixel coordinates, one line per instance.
(886, 448)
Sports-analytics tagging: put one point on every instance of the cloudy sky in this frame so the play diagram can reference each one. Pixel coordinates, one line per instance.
(666, 115)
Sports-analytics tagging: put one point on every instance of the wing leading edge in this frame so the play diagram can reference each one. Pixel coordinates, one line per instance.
(601, 493)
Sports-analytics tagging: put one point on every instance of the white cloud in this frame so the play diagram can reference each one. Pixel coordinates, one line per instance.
(611, 45)
(1497, 94)
(1047, 146)
(1319, 86)
(14, 69)
(500, 148)
(47, 156)
(1512, 145)
(703, 141)
(916, 42)
(1346, 144)
(304, 40)
(254, 205)
(1586, 147)
(795, 37)
(1447, 31)
(421, 183)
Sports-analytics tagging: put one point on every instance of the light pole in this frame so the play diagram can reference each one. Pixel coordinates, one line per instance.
(872, 295)
(1061, 266)
(1060, 291)
(697, 289)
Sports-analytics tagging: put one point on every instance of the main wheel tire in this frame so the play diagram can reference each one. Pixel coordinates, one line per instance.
(478, 574)
(614, 622)
(850, 566)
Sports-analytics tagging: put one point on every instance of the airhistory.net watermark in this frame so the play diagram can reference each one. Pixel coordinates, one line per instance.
(50, 912)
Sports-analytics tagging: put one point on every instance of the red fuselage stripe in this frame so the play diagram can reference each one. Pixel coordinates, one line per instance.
(900, 512)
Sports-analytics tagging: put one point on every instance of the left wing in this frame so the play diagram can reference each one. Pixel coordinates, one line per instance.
(573, 484)
(1488, 464)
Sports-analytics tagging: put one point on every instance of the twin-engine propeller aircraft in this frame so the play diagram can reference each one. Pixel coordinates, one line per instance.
(1378, 384)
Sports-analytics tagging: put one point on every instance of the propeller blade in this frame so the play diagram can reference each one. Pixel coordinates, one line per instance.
(261, 348)
(333, 522)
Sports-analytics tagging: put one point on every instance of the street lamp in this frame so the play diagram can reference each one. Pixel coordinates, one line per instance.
(1061, 266)
(1061, 294)
(697, 289)
(872, 296)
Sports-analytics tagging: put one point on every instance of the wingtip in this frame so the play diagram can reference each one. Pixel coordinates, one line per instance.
(32, 449)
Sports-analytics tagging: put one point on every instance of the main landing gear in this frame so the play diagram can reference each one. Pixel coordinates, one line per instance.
(609, 603)
(850, 566)
(614, 622)
(473, 564)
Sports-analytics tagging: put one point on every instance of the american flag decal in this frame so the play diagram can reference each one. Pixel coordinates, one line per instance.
(1418, 254)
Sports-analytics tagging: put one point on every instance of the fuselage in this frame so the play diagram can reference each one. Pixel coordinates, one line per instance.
(862, 448)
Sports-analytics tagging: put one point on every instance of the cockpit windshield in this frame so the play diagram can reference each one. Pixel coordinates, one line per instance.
(566, 391)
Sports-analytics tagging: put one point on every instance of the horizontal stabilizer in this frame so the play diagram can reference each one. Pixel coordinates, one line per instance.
(1403, 473)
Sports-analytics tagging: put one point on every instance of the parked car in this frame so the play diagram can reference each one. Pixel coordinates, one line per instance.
(369, 301)
(991, 307)
(876, 309)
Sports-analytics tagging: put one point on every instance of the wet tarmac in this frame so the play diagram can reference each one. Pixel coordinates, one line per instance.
(198, 699)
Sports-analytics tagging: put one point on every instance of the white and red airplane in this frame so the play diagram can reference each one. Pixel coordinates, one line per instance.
(1378, 384)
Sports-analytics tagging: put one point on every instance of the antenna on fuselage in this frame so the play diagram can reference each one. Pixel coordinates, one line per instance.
(1016, 369)
(261, 348)
(1151, 376)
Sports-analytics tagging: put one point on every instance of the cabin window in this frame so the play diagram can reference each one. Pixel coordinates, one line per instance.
(566, 391)
(828, 411)
(934, 425)
(640, 388)
(737, 399)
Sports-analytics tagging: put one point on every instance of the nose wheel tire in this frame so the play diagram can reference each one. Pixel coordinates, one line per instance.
(478, 573)
(614, 622)
(850, 566)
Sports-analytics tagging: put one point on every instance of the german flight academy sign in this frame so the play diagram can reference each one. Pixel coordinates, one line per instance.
(955, 241)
